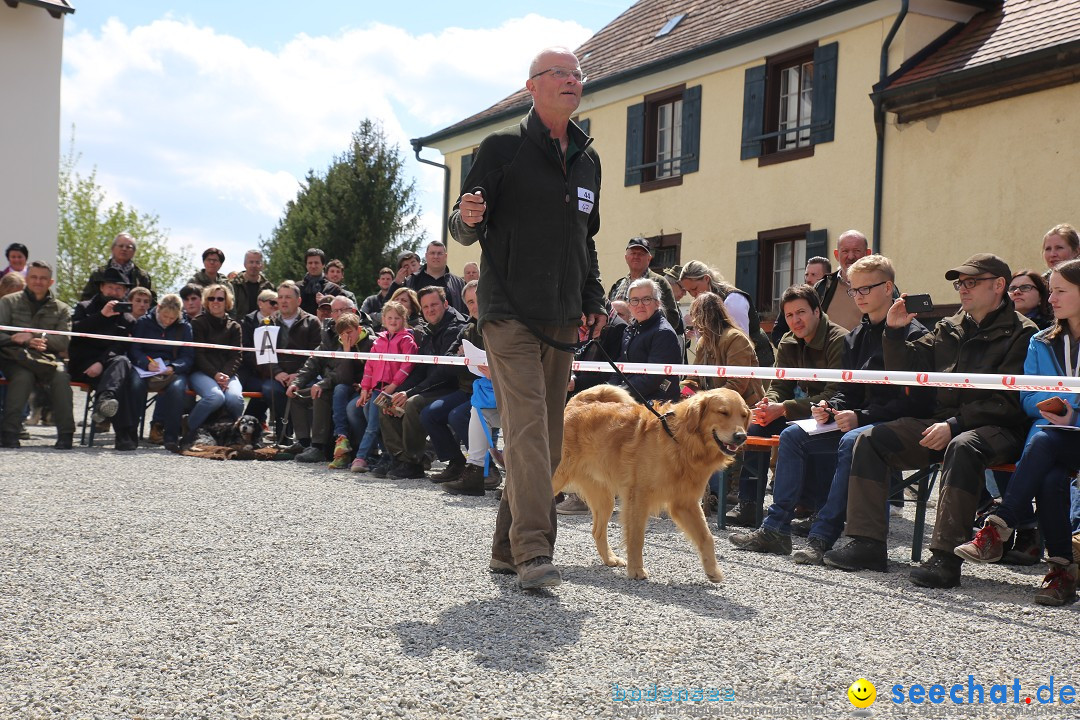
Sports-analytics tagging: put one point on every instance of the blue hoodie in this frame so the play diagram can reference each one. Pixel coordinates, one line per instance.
(1041, 360)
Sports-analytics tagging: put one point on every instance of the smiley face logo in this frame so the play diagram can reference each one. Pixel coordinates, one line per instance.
(862, 693)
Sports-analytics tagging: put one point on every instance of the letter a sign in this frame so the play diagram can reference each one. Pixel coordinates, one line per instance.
(266, 344)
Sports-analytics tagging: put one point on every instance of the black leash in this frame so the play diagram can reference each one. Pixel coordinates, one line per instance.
(572, 348)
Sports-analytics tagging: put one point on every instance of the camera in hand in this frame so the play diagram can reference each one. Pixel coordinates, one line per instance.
(122, 307)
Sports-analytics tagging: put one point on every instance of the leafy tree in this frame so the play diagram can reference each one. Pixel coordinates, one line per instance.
(362, 211)
(88, 225)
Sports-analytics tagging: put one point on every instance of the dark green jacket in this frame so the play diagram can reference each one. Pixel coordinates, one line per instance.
(824, 350)
(16, 309)
(539, 228)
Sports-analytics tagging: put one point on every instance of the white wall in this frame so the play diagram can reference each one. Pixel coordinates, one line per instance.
(31, 43)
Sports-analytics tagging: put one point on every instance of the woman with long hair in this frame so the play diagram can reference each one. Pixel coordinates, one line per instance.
(1031, 297)
(697, 278)
(1052, 454)
(1060, 243)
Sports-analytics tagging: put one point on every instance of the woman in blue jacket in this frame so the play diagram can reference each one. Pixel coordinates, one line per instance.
(165, 322)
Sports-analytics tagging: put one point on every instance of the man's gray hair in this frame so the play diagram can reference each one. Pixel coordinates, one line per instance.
(534, 66)
(654, 289)
(349, 304)
(854, 234)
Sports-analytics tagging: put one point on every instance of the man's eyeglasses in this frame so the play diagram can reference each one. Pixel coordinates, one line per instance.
(1021, 288)
(641, 301)
(864, 290)
(562, 73)
(970, 283)
(216, 298)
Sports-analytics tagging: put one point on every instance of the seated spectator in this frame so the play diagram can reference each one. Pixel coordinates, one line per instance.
(212, 259)
(372, 306)
(251, 374)
(1031, 298)
(411, 303)
(323, 311)
(123, 260)
(435, 273)
(814, 341)
(140, 299)
(315, 284)
(470, 272)
(17, 254)
(649, 339)
(697, 277)
(383, 376)
(850, 246)
(248, 285)
(191, 296)
(173, 363)
(609, 347)
(1051, 456)
(13, 282)
(638, 256)
(349, 422)
(816, 268)
(804, 460)
(405, 436)
(104, 363)
(29, 359)
(214, 378)
(969, 430)
(299, 331)
(335, 273)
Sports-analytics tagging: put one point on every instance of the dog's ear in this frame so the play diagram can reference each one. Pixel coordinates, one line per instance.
(696, 405)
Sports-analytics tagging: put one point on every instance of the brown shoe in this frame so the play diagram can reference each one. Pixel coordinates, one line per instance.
(452, 471)
(470, 482)
(494, 478)
(157, 434)
(987, 546)
(538, 573)
(1059, 585)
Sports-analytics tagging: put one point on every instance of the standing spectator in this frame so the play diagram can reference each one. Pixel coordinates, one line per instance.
(140, 299)
(408, 263)
(638, 255)
(315, 283)
(17, 255)
(1029, 294)
(165, 322)
(840, 308)
(123, 260)
(27, 359)
(372, 306)
(335, 273)
(214, 379)
(548, 253)
(817, 268)
(247, 285)
(697, 277)
(470, 272)
(435, 273)
(104, 363)
(212, 259)
(1060, 243)
(191, 296)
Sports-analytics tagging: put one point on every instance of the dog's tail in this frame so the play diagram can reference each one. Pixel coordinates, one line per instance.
(603, 393)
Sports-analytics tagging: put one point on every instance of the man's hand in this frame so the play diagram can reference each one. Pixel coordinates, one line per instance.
(898, 316)
(484, 370)
(402, 273)
(22, 338)
(109, 309)
(766, 412)
(847, 420)
(595, 322)
(291, 391)
(472, 208)
(822, 413)
(222, 380)
(937, 436)
(284, 378)
(316, 391)
(570, 385)
(94, 370)
(399, 399)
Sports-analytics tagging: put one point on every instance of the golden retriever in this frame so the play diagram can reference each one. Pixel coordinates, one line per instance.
(613, 446)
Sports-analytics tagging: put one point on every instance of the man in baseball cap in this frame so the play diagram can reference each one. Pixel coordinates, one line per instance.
(981, 264)
(639, 254)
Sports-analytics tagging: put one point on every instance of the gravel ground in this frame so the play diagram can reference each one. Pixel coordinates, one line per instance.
(149, 585)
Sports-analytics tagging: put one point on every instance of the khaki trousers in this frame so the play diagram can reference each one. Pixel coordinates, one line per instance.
(530, 380)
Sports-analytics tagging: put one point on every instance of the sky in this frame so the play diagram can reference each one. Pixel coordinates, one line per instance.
(208, 114)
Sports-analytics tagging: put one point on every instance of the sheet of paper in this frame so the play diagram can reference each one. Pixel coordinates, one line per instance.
(812, 427)
(151, 373)
(1048, 426)
(475, 355)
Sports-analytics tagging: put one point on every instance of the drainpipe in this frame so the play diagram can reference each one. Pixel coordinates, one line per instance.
(879, 124)
(417, 146)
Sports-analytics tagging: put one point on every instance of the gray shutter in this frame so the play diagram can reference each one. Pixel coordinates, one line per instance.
(753, 119)
(691, 129)
(817, 243)
(635, 142)
(823, 107)
(747, 258)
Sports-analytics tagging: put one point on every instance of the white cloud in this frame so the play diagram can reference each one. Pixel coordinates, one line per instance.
(180, 118)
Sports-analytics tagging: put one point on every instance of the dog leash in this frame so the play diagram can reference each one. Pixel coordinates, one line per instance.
(572, 348)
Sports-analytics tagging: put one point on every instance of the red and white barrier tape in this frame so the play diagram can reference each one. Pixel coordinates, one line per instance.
(1038, 383)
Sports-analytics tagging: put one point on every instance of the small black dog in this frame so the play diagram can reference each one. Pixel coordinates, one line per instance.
(245, 432)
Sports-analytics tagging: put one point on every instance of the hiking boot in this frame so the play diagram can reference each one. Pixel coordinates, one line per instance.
(1026, 550)
(859, 554)
(359, 465)
(106, 405)
(502, 567)
(10, 440)
(342, 447)
(311, 454)
(741, 515)
(451, 472)
(538, 573)
(762, 540)
(471, 482)
(1059, 585)
(494, 478)
(572, 505)
(64, 441)
(986, 547)
(406, 471)
(942, 570)
(157, 434)
(339, 463)
(812, 554)
(384, 467)
(801, 527)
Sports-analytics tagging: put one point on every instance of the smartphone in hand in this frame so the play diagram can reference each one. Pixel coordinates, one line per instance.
(1054, 406)
(918, 303)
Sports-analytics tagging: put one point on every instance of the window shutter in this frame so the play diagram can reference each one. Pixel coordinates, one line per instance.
(823, 107)
(635, 142)
(466, 166)
(584, 125)
(691, 129)
(817, 243)
(747, 257)
(753, 119)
